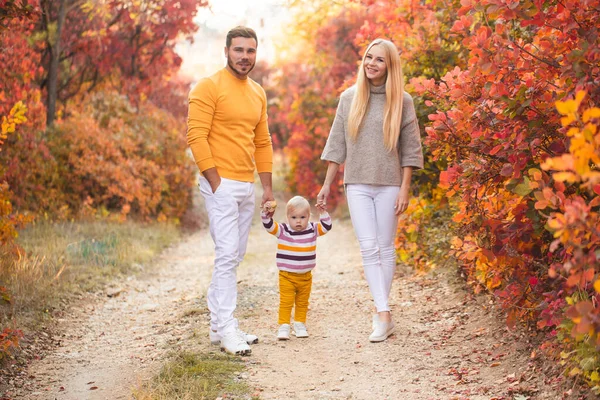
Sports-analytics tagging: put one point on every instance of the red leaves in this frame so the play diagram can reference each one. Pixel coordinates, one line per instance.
(533, 281)
(507, 170)
(500, 135)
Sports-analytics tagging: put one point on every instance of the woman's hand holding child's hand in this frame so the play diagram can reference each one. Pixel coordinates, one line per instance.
(322, 207)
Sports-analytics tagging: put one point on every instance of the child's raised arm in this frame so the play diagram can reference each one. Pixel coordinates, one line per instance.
(271, 226)
(324, 225)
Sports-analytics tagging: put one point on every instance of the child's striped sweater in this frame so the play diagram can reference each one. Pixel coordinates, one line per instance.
(297, 250)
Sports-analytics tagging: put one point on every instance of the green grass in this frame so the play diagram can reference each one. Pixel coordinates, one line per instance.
(189, 376)
(65, 259)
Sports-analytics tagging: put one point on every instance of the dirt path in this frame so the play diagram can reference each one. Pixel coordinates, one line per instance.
(111, 344)
(447, 345)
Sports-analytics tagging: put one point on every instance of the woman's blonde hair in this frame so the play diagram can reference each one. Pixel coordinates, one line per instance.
(297, 203)
(394, 94)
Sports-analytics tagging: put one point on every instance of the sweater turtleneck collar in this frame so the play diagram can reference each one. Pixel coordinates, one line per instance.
(377, 89)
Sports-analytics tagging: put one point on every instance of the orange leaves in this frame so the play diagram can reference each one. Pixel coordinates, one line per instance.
(124, 161)
(582, 314)
(546, 198)
(463, 24)
(466, 6)
(525, 176)
(9, 339)
(581, 278)
(448, 177)
(308, 88)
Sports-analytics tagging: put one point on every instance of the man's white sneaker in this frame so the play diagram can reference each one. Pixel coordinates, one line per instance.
(381, 330)
(300, 330)
(233, 343)
(215, 338)
(284, 332)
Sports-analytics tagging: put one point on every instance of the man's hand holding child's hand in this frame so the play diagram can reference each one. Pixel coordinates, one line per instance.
(269, 208)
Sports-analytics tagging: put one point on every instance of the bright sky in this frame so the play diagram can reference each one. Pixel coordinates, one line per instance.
(205, 55)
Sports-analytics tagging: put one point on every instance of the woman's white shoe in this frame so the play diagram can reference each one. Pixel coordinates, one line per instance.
(381, 330)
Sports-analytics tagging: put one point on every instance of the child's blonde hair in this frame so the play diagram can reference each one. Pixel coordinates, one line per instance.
(297, 203)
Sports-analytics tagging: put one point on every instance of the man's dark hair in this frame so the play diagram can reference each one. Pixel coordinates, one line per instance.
(240, 31)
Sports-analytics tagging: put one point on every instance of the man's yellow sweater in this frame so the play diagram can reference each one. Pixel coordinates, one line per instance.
(227, 126)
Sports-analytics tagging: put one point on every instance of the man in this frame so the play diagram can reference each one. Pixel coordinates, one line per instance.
(229, 138)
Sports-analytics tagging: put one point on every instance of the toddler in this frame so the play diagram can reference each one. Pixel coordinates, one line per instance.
(296, 257)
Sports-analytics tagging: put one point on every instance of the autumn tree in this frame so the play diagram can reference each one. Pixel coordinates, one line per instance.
(127, 46)
(10, 9)
(92, 45)
(496, 126)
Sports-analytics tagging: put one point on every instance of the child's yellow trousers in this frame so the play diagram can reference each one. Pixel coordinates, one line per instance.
(294, 288)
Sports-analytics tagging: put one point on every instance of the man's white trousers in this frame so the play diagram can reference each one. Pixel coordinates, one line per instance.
(230, 210)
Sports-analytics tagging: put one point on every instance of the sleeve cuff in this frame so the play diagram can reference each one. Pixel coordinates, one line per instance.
(412, 163)
(206, 164)
(264, 167)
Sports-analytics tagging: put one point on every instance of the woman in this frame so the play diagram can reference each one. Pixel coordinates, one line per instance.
(376, 134)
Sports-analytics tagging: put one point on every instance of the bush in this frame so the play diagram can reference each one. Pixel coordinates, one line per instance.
(110, 158)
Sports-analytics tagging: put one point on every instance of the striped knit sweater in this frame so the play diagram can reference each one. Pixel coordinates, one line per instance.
(297, 250)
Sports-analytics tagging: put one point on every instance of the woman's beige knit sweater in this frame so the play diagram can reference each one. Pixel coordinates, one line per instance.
(367, 161)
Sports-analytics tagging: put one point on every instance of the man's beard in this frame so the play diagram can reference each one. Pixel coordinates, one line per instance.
(238, 71)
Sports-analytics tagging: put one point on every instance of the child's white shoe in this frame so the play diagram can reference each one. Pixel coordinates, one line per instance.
(284, 332)
(381, 330)
(300, 330)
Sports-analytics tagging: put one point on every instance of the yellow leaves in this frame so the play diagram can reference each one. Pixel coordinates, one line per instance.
(15, 117)
(565, 177)
(591, 113)
(597, 286)
(557, 224)
(563, 163)
(535, 174)
(575, 371)
(580, 164)
(569, 108)
(566, 107)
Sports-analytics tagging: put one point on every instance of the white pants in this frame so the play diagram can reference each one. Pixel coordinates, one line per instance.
(230, 210)
(375, 223)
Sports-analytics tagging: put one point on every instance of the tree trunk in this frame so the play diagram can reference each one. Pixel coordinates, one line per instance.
(53, 69)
